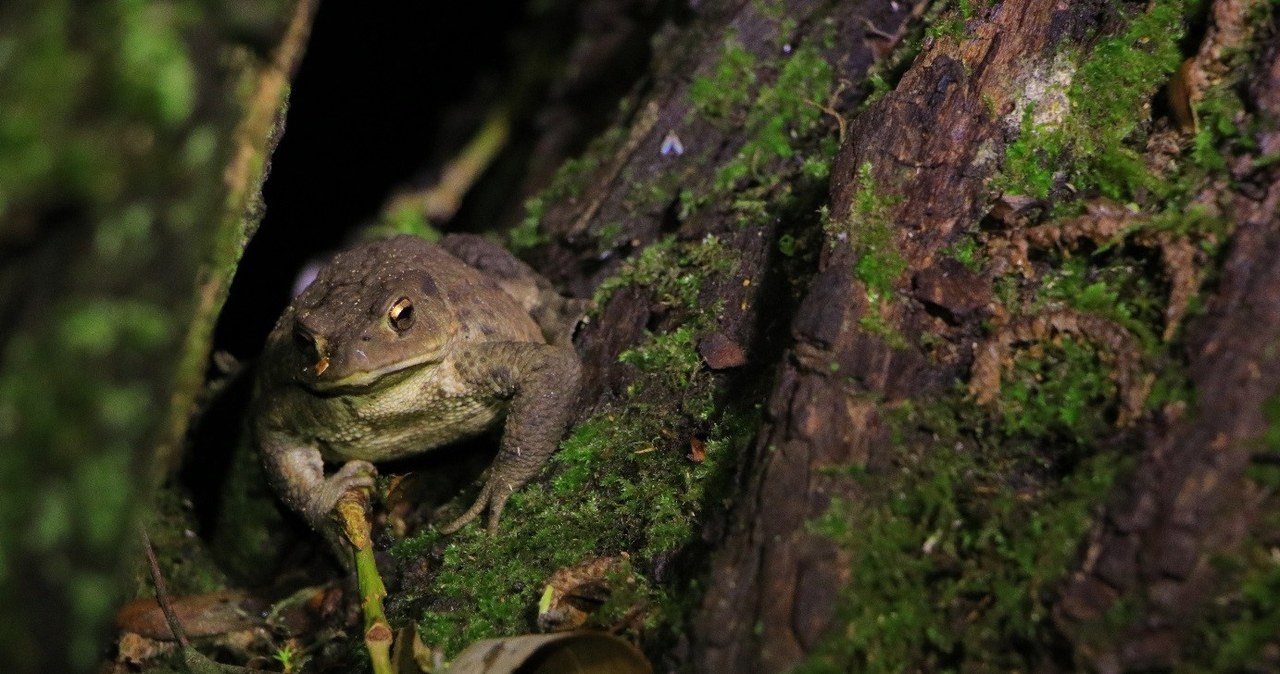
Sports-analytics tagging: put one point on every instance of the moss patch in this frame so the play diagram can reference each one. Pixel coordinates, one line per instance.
(779, 108)
(1101, 135)
(959, 546)
(960, 543)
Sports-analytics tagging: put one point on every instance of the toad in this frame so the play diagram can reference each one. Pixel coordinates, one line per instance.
(402, 346)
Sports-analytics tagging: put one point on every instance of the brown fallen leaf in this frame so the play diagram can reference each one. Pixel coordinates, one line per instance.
(201, 615)
(572, 593)
(1182, 95)
(697, 450)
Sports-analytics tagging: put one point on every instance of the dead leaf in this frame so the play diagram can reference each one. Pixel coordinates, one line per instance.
(573, 592)
(1181, 94)
(201, 615)
(551, 654)
(697, 450)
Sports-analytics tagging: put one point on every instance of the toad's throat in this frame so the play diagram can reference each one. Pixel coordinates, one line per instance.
(363, 380)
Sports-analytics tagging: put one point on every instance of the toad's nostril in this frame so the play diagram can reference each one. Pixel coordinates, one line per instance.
(311, 346)
(303, 338)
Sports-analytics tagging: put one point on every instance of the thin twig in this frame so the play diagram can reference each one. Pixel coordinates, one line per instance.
(162, 592)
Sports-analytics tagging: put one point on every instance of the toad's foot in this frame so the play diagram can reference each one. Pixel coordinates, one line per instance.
(493, 497)
(319, 509)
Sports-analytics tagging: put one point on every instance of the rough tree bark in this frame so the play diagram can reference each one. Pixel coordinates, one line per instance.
(932, 151)
(932, 143)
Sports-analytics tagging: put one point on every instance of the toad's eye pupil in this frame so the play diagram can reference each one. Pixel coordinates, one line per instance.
(401, 314)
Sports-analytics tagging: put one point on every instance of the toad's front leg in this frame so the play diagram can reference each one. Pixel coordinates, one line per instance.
(296, 471)
(542, 383)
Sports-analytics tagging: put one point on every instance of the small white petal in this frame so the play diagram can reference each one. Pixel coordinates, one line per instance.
(671, 145)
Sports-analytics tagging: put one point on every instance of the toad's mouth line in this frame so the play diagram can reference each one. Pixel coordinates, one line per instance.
(367, 379)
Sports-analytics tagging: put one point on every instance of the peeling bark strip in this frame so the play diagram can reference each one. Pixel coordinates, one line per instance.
(1191, 498)
(928, 148)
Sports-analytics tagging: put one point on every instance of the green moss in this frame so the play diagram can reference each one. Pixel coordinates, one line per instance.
(721, 94)
(617, 484)
(1008, 489)
(1032, 162)
(674, 355)
(674, 272)
(948, 19)
(567, 183)
(968, 252)
(776, 107)
(1100, 138)
(1109, 285)
(790, 106)
(571, 177)
(528, 233)
(1063, 392)
(779, 114)
(869, 230)
(1109, 92)
(1098, 147)
(957, 548)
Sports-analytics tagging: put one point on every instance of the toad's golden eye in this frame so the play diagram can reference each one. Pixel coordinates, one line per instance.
(401, 315)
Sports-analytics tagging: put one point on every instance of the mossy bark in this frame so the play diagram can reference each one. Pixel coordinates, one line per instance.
(895, 304)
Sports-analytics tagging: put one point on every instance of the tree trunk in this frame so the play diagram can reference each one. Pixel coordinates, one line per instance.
(900, 311)
(134, 142)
